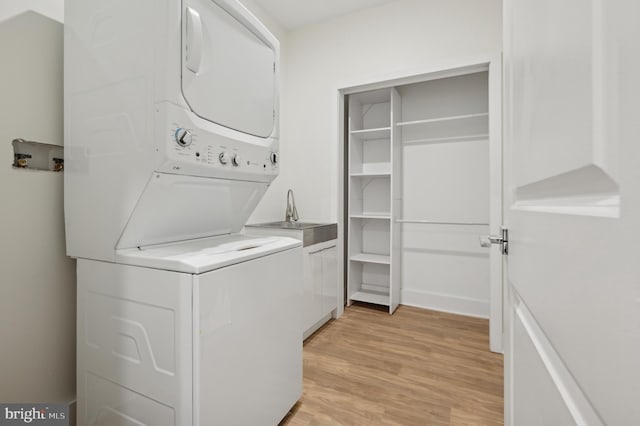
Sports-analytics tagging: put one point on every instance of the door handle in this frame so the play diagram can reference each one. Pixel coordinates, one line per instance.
(502, 239)
(194, 40)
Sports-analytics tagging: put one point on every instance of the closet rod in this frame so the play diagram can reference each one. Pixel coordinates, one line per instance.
(431, 222)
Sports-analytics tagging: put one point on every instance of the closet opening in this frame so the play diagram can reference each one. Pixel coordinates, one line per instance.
(422, 183)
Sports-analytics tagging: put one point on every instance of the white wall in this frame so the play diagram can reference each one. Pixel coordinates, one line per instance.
(37, 285)
(360, 47)
(53, 9)
(443, 266)
(263, 15)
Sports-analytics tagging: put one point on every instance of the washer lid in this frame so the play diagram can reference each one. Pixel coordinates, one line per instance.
(229, 67)
(204, 254)
(180, 207)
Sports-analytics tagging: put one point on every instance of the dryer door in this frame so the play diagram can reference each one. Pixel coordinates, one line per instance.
(228, 66)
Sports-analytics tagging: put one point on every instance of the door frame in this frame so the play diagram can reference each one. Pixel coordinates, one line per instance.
(442, 69)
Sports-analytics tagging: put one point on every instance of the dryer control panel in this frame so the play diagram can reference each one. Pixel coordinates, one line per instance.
(197, 147)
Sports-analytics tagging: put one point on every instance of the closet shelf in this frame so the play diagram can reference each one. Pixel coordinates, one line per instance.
(371, 134)
(441, 119)
(370, 216)
(463, 138)
(372, 258)
(371, 174)
(379, 298)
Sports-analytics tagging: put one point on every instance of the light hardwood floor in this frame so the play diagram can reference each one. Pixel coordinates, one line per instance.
(415, 367)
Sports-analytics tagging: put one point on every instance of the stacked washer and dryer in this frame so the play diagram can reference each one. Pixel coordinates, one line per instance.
(171, 139)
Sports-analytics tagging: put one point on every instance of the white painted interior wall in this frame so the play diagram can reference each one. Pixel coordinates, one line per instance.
(53, 9)
(37, 285)
(361, 47)
(443, 266)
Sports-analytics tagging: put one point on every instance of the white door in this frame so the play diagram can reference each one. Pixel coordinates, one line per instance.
(572, 137)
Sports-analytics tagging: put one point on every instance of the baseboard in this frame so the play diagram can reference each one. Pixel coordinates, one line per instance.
(445, 303)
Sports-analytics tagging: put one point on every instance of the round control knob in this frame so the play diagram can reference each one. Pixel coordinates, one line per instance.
(183, 137)
(274, 158)
(223, 157)
(236, 160)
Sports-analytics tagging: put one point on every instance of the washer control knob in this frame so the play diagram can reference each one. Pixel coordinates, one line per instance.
(236, 160)
(223, 157)
(183, 137)
(274, 158)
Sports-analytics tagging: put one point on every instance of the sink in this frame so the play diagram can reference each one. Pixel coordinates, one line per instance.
(312, 233)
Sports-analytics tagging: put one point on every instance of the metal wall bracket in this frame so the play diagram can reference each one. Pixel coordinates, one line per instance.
(37, 156)
(502, 239)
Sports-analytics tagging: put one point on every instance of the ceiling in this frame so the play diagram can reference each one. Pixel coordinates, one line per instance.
(292, 14)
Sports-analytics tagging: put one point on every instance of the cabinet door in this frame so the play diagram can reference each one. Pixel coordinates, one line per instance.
(313, 290)
(329, 280)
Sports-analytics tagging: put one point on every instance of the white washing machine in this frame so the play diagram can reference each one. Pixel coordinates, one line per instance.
(205, 332)
(171, 140)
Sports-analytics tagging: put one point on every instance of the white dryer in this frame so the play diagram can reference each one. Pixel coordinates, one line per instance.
(171, 140)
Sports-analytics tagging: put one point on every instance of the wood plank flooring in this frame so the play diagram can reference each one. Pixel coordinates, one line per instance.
(415, 367)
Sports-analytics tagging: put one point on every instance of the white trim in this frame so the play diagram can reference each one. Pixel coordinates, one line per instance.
(446, 67)
(496, 220)
(341, 207)
(508, 346)
(577, 403)
(445, 303)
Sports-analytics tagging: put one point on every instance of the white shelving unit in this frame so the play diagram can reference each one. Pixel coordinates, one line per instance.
(374, 160)
(418, 164)
(422, 181)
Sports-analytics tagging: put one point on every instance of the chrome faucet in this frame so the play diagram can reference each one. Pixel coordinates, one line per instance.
(292, 212)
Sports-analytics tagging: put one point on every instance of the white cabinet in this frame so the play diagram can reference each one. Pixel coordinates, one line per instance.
(320, 287)
(321, 290)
